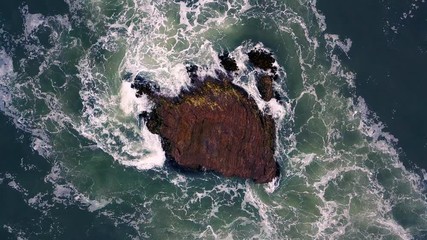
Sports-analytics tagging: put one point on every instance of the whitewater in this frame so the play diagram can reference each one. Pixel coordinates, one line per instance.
(65, 79)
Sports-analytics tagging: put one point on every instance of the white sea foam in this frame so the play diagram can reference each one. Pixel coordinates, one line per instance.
(140, 149)
(273, 185)
(155, 156)
(32, 21)
(374, 129)
(7, 75)
(161, 54)
(334, 41)
(178, 180)
(277, 110)
(6, 65)
(209, 232)
(303, 160)
(247, 78)
(39, 201)
(67, 194)
(129, 103)
(321, 19)
(16, 231)
(251, 198)
(15, 185)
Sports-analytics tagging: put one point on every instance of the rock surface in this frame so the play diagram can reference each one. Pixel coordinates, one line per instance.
(264, 60)
(227, 62)
(215, 126)
(265, 87)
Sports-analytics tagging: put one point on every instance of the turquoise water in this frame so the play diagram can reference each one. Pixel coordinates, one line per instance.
(77, 163)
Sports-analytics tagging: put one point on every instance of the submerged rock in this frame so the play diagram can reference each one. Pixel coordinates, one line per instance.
(215, 126)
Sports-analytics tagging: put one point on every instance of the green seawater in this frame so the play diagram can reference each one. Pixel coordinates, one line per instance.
(77, 163)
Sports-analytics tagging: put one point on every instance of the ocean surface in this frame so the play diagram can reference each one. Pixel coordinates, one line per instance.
(76, 162)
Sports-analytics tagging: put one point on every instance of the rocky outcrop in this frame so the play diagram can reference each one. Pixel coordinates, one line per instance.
(265, 61)
(265, 87)
(215, 126)
(227, 62)
(262, 59)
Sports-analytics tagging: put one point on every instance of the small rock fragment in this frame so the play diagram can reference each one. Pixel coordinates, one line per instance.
(265, 87)
(262, 59)
(227, 62)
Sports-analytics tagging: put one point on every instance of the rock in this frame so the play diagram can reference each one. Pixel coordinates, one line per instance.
(227, 62)
(265, 87)
(192, 72)
(262, 59)
(215, 126)
(144, 86)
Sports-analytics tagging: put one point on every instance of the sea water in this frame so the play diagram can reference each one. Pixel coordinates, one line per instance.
(77, 162)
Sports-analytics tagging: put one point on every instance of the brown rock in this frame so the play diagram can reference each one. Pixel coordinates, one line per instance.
(264, 60)
(216, 126)
(265, 87)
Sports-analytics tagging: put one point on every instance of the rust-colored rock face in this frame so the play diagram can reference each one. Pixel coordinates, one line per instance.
(215, 126)
(265, 87)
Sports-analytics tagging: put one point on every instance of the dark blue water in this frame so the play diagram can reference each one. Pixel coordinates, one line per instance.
(23, 175)
(391, 65)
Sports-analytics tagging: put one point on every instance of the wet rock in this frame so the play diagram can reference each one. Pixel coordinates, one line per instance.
(192, 72)
(144, 86)
(262, 59)
(265, 87)
(215, 126)
(227, 62)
